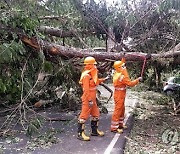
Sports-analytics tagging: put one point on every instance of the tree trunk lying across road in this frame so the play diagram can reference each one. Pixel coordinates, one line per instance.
(70, 52)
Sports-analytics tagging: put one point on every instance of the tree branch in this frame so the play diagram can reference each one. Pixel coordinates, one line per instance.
(70, 52)
(61, 33)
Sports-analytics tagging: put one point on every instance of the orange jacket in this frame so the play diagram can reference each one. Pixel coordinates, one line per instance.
(121, 80)
(88, 83)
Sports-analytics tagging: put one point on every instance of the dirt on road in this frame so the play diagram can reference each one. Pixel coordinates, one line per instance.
(156, 129)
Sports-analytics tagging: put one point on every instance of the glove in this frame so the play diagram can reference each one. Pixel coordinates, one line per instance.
(90, 103)
(140, 79)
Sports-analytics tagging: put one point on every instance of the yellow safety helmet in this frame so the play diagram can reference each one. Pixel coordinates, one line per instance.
(90, 60)
(118, 64)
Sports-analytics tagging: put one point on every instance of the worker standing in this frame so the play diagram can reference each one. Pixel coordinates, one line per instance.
(89, 81)
(120, 81)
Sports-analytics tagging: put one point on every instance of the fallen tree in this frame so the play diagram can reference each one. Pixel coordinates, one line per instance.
(70, 52)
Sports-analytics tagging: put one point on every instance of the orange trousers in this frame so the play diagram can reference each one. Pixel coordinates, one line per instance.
(89, 109)
(119, 109)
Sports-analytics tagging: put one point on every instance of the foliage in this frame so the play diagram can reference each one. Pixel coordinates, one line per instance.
(43, 140)
(20, 65)
(34, 127)
(148, 28)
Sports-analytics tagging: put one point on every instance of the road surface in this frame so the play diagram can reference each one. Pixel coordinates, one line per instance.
(68, 143)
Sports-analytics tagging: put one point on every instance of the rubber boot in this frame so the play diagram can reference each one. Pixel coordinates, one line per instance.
(81, 135)
(119, 131)
(123, 127)
(95, 131)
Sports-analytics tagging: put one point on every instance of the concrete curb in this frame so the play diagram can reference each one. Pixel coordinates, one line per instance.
(126, 133)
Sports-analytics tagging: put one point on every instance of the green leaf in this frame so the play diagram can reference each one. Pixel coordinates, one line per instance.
(48, 67)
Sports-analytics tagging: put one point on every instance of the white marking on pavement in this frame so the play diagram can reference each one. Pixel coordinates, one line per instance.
(116, 136)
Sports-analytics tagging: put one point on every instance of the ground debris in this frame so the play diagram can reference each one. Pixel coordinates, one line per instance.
(156, 130)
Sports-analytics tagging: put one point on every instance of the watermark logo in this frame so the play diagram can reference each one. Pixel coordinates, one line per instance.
(170, 136)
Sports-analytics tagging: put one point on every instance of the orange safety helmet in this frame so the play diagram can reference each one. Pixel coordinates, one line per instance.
(118, 64)
(89, 60)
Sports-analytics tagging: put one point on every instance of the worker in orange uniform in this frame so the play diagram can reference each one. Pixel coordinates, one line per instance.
(89, 81)
(120, 81)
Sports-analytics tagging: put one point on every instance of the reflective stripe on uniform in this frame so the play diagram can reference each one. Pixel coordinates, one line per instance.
(94, 88)
(81, 121)
(114, 126)
(114, 122)
(120, 88)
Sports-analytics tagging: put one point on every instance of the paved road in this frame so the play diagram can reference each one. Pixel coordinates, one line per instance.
(68, 143)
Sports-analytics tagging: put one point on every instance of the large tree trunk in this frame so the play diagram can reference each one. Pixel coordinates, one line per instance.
(69, 52)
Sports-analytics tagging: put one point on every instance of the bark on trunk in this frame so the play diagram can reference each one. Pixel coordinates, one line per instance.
(60, 33)
(70, 52)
